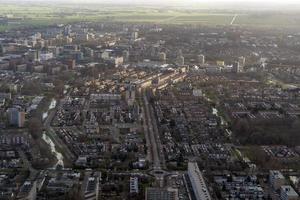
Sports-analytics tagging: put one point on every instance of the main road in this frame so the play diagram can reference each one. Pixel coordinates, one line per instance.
(152, 135)
(233, 19)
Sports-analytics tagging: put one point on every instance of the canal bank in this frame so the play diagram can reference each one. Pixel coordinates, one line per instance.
(48, 140)
(59, 157)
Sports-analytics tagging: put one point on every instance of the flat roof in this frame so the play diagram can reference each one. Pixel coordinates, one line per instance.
(198, 182)
(289, 190)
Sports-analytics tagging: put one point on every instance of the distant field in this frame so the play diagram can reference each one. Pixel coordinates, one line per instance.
(42, 15)
(269, 19)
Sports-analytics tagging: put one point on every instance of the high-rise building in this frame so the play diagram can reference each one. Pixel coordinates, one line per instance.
(162, 56)
(13, 114)
(37, 36)
(220, 62)
(130, 94)
(67, 30)
(34, 55)
(125, 54)
(134, 35)
(71, 63)
(179, 52)
(89, 52)
(46, 56)
(16, 117)
(237, 68)
(21, 121)
(201, 59)
(242, 61)
(180, 60)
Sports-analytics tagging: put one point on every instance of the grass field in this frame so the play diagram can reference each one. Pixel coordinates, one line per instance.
(269, 19)
(42, 15)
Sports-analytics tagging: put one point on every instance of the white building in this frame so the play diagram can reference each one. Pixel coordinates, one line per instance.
(91, 186)
(105, 96)
(46, 56)
(27, 191)
(180, 60)
(197, 93)
(237, 68)
(201, 59)
(106, 54)
(288, 193)
(242, 61)
(134, 185)
(198, 183)
(162, 56)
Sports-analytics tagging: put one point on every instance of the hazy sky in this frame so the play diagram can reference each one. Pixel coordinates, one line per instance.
(177, 1)
(185, 1)
(242, 4)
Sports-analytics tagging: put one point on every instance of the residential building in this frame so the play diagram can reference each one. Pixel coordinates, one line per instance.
(16, 117)
(276, 179)
(288, 193)
(90, 186)
(201, 59)
(198, 183)
(134, 185)
(27, 191)
(161, 194)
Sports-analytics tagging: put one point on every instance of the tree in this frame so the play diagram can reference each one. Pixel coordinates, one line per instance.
(59, 87)
(4, 88)
(31, 88)
(242, 127)
(35, 127)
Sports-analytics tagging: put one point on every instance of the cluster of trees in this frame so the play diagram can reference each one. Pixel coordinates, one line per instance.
(4, 88)
(267, 132)
(35, 127)
(31, 88)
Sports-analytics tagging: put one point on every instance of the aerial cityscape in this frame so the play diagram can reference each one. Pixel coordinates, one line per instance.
(154, 100)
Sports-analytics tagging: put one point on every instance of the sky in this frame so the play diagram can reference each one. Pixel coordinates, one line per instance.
(190, 3)
(173, 1)
(210, 1)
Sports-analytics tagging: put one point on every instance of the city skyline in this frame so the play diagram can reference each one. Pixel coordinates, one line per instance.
(149, 99)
